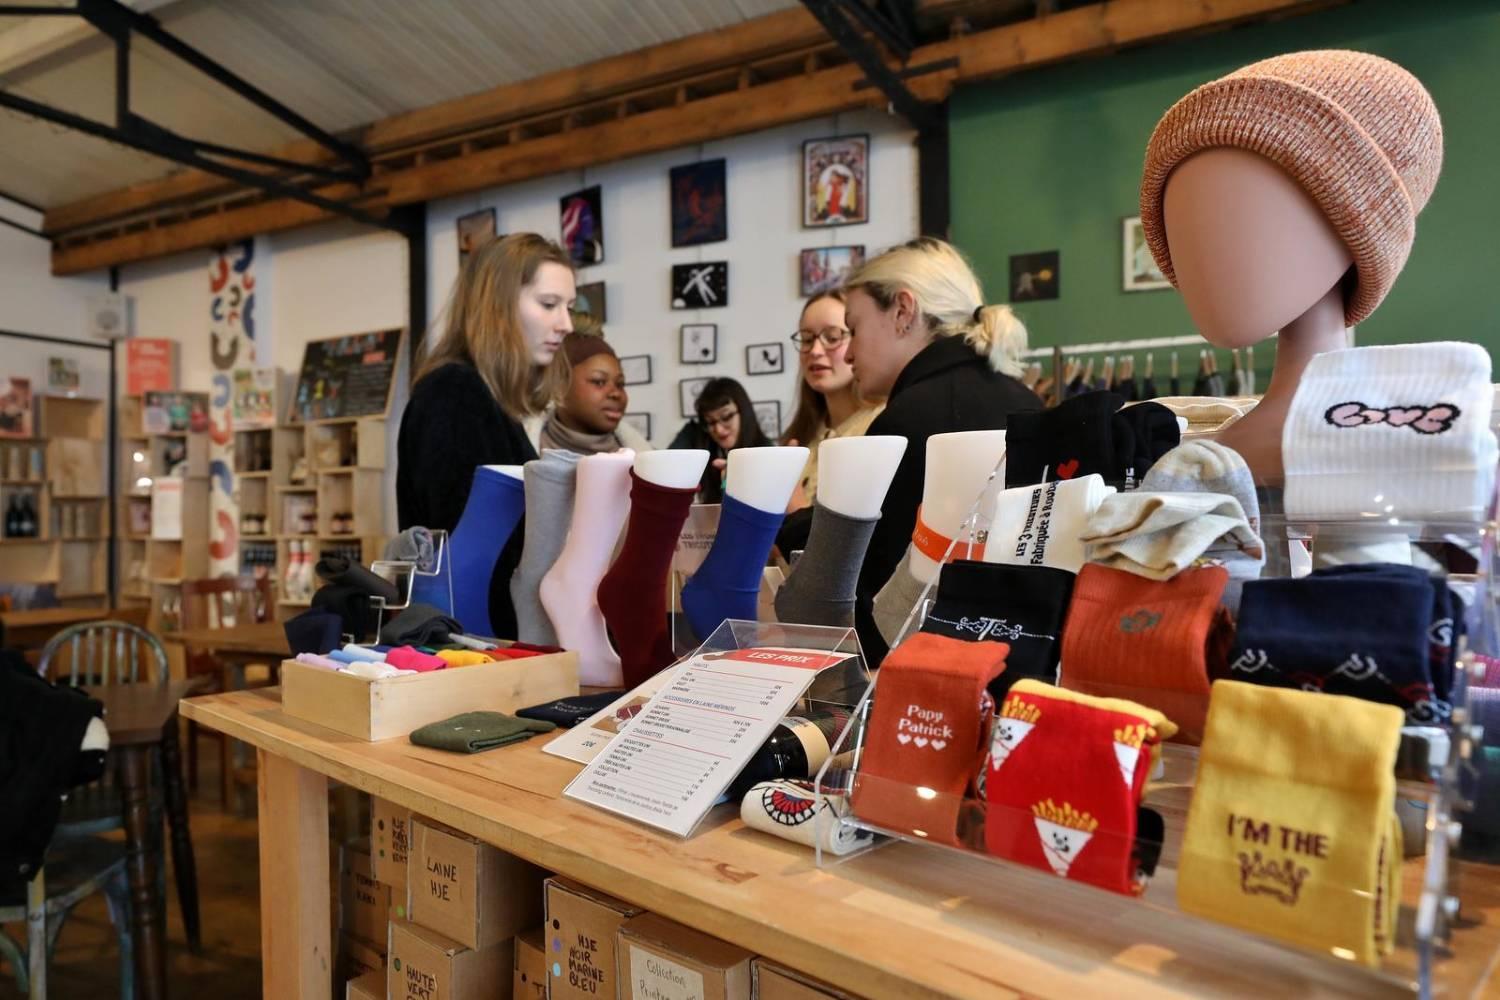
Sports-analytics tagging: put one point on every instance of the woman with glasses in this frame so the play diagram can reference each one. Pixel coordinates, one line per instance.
(725, 413)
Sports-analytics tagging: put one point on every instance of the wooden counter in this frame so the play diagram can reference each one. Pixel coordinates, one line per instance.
(898, 922)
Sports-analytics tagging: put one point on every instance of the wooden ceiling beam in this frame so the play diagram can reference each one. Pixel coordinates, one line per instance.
(980, 56)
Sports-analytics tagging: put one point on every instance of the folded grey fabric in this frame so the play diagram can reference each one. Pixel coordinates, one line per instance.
(413, 545)
(419, 625)
(1158, 535)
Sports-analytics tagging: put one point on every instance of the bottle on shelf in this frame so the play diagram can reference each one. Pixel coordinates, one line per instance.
(797, 748)
(13, 517)
(28, 527)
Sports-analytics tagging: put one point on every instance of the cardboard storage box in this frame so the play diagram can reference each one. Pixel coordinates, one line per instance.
(425, 965)
(775, 982)
(658, 959)
(357, 957)
(530, 981)
(370, 986)
(364, 903)
(394, 706)
(474, 893)
(390, 839)
(580, 939)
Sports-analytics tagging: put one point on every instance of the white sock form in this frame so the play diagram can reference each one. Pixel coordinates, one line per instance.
(569, 591)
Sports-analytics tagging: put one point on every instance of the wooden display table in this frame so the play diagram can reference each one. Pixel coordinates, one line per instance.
(898, 922)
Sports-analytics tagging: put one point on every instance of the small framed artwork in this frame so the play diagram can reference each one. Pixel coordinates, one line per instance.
(700, 286)
(641, 422)
(637, 369)
(835, 181)
(582, 217)
(768, 415)
(764, 359)
(62, 376)
(698, 343)
(15, 407)
(474, 230)
(687, 394)
(699, 204)
(590, 301)
(1035, 276)
(826, 268)
(1140, 271)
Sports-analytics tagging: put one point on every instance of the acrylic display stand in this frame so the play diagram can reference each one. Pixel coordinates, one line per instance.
(1439, 951)
(405, 573)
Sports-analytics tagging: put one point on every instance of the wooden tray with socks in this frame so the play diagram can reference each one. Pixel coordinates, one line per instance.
(393, 706)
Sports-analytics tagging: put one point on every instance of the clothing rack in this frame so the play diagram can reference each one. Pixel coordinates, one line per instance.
(1110, 349)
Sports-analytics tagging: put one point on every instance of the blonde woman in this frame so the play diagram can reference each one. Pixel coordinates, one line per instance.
(922, 337)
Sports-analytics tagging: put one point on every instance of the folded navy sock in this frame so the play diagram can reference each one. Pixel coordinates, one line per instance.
(568, 712)
(313, 631)
(1359, 632)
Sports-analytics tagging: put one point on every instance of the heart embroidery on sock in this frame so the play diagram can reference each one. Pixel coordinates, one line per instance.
(939, 744)
(920, 741)
(1432, 419)
(903, 738)
(1068, 469)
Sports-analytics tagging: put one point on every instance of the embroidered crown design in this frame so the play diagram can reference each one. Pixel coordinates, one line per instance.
(1065, 815)
(1024, 711)
(1134, 736)
(1279, 879)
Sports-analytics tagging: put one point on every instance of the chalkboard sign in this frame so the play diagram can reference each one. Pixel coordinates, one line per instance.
(346, 377)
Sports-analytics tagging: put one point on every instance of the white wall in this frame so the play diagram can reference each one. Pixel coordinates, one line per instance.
(763, 173)
(31, 300)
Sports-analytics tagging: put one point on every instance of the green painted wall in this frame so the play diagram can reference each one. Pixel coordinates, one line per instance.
(1052, 160)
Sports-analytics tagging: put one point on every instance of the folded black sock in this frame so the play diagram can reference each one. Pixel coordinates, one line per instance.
(341, 571)
(1358, 632)
(1143, 433)
(568, 712)
(1023, 606)
(1075, 438)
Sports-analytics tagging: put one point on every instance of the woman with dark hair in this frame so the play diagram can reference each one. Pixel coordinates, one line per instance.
(727, 415)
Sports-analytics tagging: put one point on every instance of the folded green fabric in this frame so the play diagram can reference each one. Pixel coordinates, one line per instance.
(472, 732)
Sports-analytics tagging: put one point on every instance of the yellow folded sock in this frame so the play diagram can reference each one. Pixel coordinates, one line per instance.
(1290, 829)
(462, 657)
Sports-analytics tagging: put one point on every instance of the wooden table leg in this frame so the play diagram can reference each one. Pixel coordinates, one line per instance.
(184, 868)
(140, 870)
(296, 935)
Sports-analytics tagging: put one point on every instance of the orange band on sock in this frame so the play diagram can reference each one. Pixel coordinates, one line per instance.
(934, 544)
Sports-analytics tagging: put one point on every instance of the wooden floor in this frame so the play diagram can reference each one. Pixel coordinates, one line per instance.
(87, 963)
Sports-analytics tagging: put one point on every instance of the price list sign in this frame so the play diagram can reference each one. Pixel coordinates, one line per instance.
(697, 733)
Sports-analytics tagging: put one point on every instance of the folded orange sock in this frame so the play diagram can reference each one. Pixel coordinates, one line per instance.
(927, 735)
(1156, 642)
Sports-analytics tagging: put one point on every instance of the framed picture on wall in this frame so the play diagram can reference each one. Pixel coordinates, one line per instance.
(687, 394)
(764, 359)
(1035, 276)
(636, 369)
(591, 301)
(826, 268)
(698, 343)
(641, 422)
(474, 230)
(700, 286)
(835, 181)
(15, 407)
(1140, 271)
(582, 216)
(700, 211)
(768, 415)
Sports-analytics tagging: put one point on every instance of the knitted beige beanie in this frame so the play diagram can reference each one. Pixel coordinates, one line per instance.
(1357, 132)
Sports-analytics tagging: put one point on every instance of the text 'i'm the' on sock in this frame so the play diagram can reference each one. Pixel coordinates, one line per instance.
(727, 585)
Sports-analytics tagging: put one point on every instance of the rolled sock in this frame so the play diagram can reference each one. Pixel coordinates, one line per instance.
(1023, 606)
(820, 590)
(1291, 831)
(1158, 643)
(1398, 431)
(1075, 438)
(364, 652)
(413, 545)
(462, 657)
(406, 658)
(928, 728)
(633, 594)
(314, 660)
(1041, 525)
(789, 810)
(1363, 634)
(1158, 535)
(894, 602)
(1063, 791)
(372, 671)
(550, 482)
(727, 585)
(569, 590)
(341, 656)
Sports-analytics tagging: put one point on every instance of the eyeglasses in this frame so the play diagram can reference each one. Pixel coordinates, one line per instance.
(722, 419)
(830, 337)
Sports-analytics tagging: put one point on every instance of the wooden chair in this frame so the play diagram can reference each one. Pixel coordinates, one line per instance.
(220, 602)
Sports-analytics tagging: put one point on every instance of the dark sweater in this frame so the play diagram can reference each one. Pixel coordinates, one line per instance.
(948, 387)
(452, 425)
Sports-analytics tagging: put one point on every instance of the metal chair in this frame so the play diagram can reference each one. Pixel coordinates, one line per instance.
(75, 870)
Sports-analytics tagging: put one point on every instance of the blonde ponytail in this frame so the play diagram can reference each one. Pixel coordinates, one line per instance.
(949, 298)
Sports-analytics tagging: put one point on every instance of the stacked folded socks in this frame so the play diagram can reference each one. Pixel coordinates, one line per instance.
(1157, 642)
(1292, 830)
(374, 662)
(1064, 785)
(1043, 525)
(1023, 606)
(1364, 631)
(1158, 535)
(1086, 435)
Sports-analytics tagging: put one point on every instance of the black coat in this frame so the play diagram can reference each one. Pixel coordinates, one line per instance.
(948, 387)
(452, 425)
